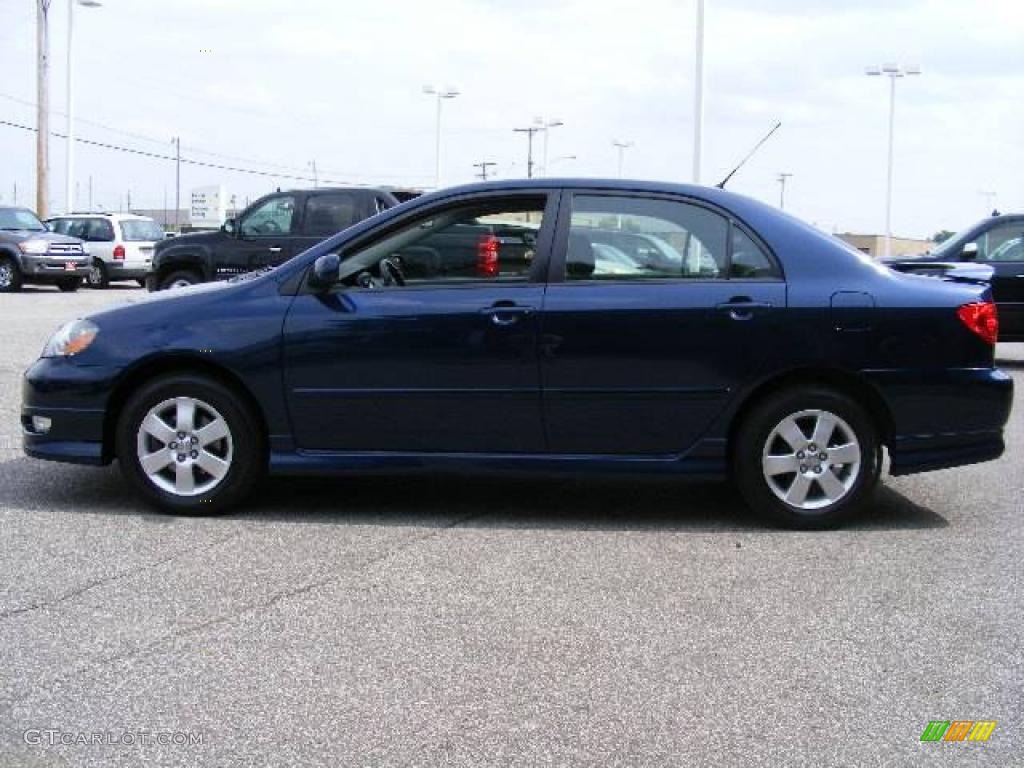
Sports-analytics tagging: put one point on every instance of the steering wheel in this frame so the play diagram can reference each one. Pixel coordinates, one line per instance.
(271, 227)
(391, 272)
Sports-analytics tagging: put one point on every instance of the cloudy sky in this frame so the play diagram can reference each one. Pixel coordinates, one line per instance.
(272, 85)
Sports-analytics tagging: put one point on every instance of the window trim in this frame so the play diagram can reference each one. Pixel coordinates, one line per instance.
(556, 266)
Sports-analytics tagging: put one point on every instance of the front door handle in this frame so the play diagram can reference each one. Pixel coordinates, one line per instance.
(506, 314)
(275, 249)
(742, 308)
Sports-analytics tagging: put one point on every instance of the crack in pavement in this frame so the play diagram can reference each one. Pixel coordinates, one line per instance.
(7, 613)
(242, 610)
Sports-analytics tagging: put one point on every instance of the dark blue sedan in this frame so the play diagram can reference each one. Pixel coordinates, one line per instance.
(556, 325)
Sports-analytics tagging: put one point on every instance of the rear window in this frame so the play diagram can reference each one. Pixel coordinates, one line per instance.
(144, 230)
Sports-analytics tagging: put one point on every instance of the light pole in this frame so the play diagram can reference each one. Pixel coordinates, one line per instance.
(893, 71)
(698, 97)
(69, 186)
(782, 189)
(529, 146)
(622, 146)
(42, 107)
(546, 125)
(440, 94)
(560, 158)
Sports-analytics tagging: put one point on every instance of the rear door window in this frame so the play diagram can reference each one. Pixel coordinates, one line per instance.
(327, 214)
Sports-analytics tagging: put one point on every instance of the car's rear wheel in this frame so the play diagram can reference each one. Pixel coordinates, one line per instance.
(807, 458)
(69, 284)
(180, 279)
(97, 277)
(188, 444)
(10, 275)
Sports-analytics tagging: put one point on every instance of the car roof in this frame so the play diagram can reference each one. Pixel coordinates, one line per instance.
(102, 214)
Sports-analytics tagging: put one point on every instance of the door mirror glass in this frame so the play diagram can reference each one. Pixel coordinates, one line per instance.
(229, 227)
(970, 252)
(325, 272)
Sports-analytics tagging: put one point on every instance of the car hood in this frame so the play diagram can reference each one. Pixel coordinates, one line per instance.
(20, 235)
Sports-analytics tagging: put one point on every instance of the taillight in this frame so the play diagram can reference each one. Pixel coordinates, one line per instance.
(119, 252)
(981, 318)
(487, 256)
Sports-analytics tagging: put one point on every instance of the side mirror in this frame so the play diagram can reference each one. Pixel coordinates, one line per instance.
(325, 272)
(230, 227)
(970, 252)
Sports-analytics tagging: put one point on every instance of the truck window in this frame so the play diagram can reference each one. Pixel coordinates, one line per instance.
(327, 214)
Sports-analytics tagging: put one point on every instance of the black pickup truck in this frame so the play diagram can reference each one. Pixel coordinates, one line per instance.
(267, 233)
(996, 243)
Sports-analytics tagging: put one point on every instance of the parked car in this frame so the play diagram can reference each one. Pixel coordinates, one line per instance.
(267, 233)
(30, 253)
(789, 375)
(996, 242)
(120, 245)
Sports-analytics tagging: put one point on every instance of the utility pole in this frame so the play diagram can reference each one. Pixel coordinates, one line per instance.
(483, 165)
(177, 181)
(42, 108)
(622, 146)
(782, 189)
(90, 193)
(529, 146)
(312, 164)
(698, 99)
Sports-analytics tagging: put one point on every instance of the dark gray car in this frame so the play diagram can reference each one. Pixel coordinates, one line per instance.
(30, 253)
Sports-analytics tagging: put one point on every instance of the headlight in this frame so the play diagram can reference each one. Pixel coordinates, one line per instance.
(34, 246)
(70, 339)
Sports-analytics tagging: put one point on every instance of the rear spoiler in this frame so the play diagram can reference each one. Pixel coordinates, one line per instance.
(968, 272)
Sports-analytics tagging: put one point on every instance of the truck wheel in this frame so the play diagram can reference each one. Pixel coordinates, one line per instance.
(189, 444)
(10, 275)
(69, 284)
(97, 277)
(807, 457)
(180, 279)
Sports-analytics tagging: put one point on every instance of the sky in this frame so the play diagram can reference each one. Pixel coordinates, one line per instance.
(274, 86)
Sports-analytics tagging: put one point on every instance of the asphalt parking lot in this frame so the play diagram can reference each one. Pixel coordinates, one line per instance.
(449, 621)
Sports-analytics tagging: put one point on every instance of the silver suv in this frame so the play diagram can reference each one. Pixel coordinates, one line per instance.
(29, 253)
(120, 245)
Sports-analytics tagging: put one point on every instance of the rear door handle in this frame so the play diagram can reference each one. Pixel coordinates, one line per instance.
(740, 309)
(506, 314)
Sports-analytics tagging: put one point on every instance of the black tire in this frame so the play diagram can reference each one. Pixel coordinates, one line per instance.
(246, 456)
(752, 452)
(98, 277)
(12, 275)
(69, 284)
(179, 279)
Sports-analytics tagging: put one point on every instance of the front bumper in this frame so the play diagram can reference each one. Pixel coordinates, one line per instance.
(73, 398)
(944, 418)
(54, 266)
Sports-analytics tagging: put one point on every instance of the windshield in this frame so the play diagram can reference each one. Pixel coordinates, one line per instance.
(946, 245)
(145, 230)
(20, 218)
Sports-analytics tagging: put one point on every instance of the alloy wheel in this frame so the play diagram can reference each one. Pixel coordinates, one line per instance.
(6, 274)
(184, 446)
(811, 459)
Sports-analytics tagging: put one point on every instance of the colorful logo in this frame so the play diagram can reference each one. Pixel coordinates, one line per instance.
(958, 730)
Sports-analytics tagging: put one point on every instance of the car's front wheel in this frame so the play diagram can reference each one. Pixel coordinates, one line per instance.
(807, 458)
(10, 275)
(188, 444)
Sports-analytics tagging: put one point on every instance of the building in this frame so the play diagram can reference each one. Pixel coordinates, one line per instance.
(874, 245)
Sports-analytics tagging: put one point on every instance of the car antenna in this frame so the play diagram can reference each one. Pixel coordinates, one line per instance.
(723, 182)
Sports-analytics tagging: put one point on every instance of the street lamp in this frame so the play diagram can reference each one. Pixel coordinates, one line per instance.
(561, 158)
(622, 146)
(783, 177)
(698, 96)
(440, 94)
(546, 125)
(893, 72)
(69, 188)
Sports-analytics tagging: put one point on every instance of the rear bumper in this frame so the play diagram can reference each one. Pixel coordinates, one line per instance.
(944, 418)
(132, 270)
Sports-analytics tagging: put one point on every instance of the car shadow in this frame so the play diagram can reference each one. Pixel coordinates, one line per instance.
(445, 500)
(1008, 363)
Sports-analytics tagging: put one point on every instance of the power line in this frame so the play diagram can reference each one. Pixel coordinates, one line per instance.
(187, 161)
(483, 165)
